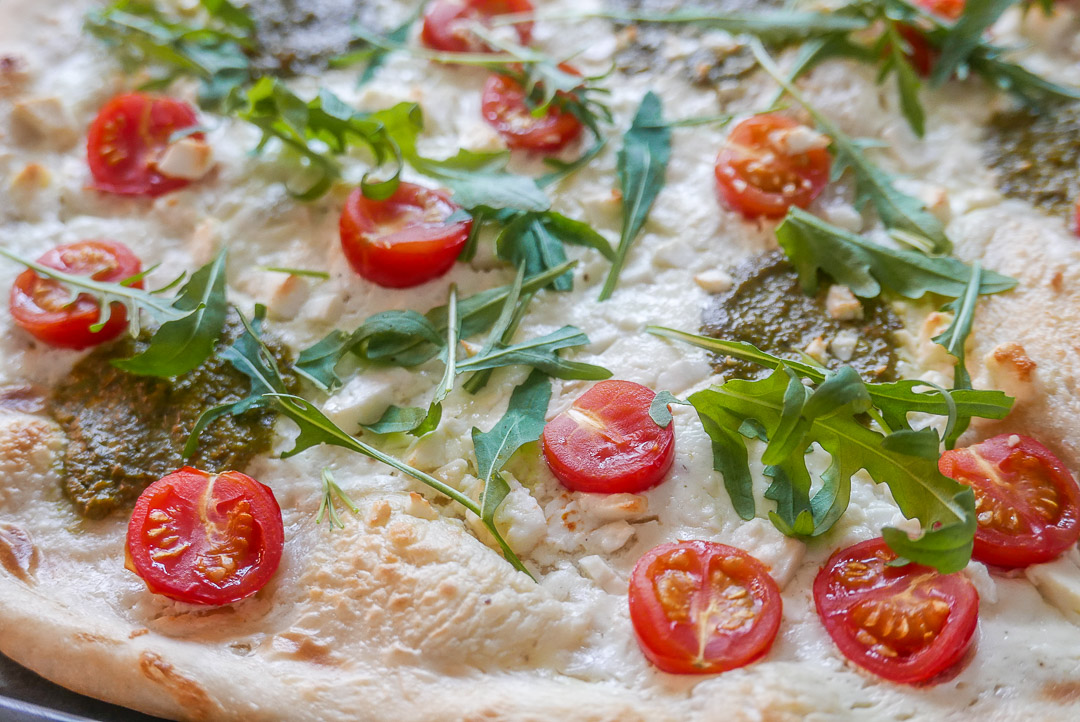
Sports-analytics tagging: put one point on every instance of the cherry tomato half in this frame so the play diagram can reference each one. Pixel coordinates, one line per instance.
(43, 306)
(757, 175)
(404, 240)
(128, 136)
(699, 607)
(205, 538)
(504, 108)
(907, 624)
(607, 442)
(446, 23)
(1026, 501)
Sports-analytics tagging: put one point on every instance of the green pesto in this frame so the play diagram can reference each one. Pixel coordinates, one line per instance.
(125, 431)
(766, 307)
(1037, 157)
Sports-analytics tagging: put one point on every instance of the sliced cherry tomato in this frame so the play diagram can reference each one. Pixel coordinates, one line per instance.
(43, 306)
(128, 137)
(446, 23)
(907, 624)
(699, 607)
(1026, 501)
(504, 108)
(404, 240)
(757, 175)
(607, 442)
(205, 538)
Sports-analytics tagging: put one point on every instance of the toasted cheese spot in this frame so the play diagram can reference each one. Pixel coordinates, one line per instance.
(29, 447)
(1062, 692)
(1011, 370)
(18, 555)
(187, 693)
(187, 158)
(44, 120)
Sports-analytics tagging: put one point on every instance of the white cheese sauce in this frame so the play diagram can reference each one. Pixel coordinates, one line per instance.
(583, 546)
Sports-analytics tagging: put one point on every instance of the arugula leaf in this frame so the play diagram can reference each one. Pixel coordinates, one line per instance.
(302, 272)
(373, 54)
(955, 336)
(658, 409)
(216, 54)
(907, 79)
(778, 26)
(332, 124)
(866, 267)
(181, 345)
(895, 399)
(506, 325)
(331, 490)
(316, 429)
(782, 406)
(536, 240)
(250, 356)
(407, 338)
(522, 423)
(477, 179)
(106, 293)
(641, 167)
(540, 353)
(419, 421)
(965, 35)
(906, 217)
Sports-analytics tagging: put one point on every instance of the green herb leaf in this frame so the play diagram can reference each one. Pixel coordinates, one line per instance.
(316, 429)
(540, 353)
(302, 272)
(143, 37)
(907, 79)
(906, 217)
(106, 293)
(895, 399)
(331, 490)
(537, 239)
(330, 123)
(478, 180)
(407, 338)
(777, 26)
(181, 345)
(965, 35)
(955, 336)
(251, 357)
(659, 411)
(945, 509)
(866, 267)
(522, 423)
(641, 168)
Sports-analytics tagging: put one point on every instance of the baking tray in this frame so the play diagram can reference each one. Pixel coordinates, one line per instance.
(27, 697)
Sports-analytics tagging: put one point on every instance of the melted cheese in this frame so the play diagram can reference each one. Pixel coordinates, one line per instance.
(407, 574)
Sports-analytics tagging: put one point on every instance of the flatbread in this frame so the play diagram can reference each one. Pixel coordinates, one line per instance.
(406, 613)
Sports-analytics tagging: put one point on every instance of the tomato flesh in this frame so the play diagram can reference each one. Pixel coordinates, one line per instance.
(504, 107)
(44, 307)
(758, 176)
(404, 240)
(607, 442)
(205, 538)
(907, 624)
(446, 23)
(127, 138)
(700, 607)
(1026, 502)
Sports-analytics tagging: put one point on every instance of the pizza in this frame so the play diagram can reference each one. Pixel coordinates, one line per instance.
(498, 359)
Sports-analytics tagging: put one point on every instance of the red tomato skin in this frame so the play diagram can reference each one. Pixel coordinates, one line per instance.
(503, 107)
(922, 55)
(1011, 551)
(446, 23)
(671, 645)
(397, 253)
(584, 459)
(835, 605)
(126, 137)
(69, 327)
(737, 191)
(179, 494)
